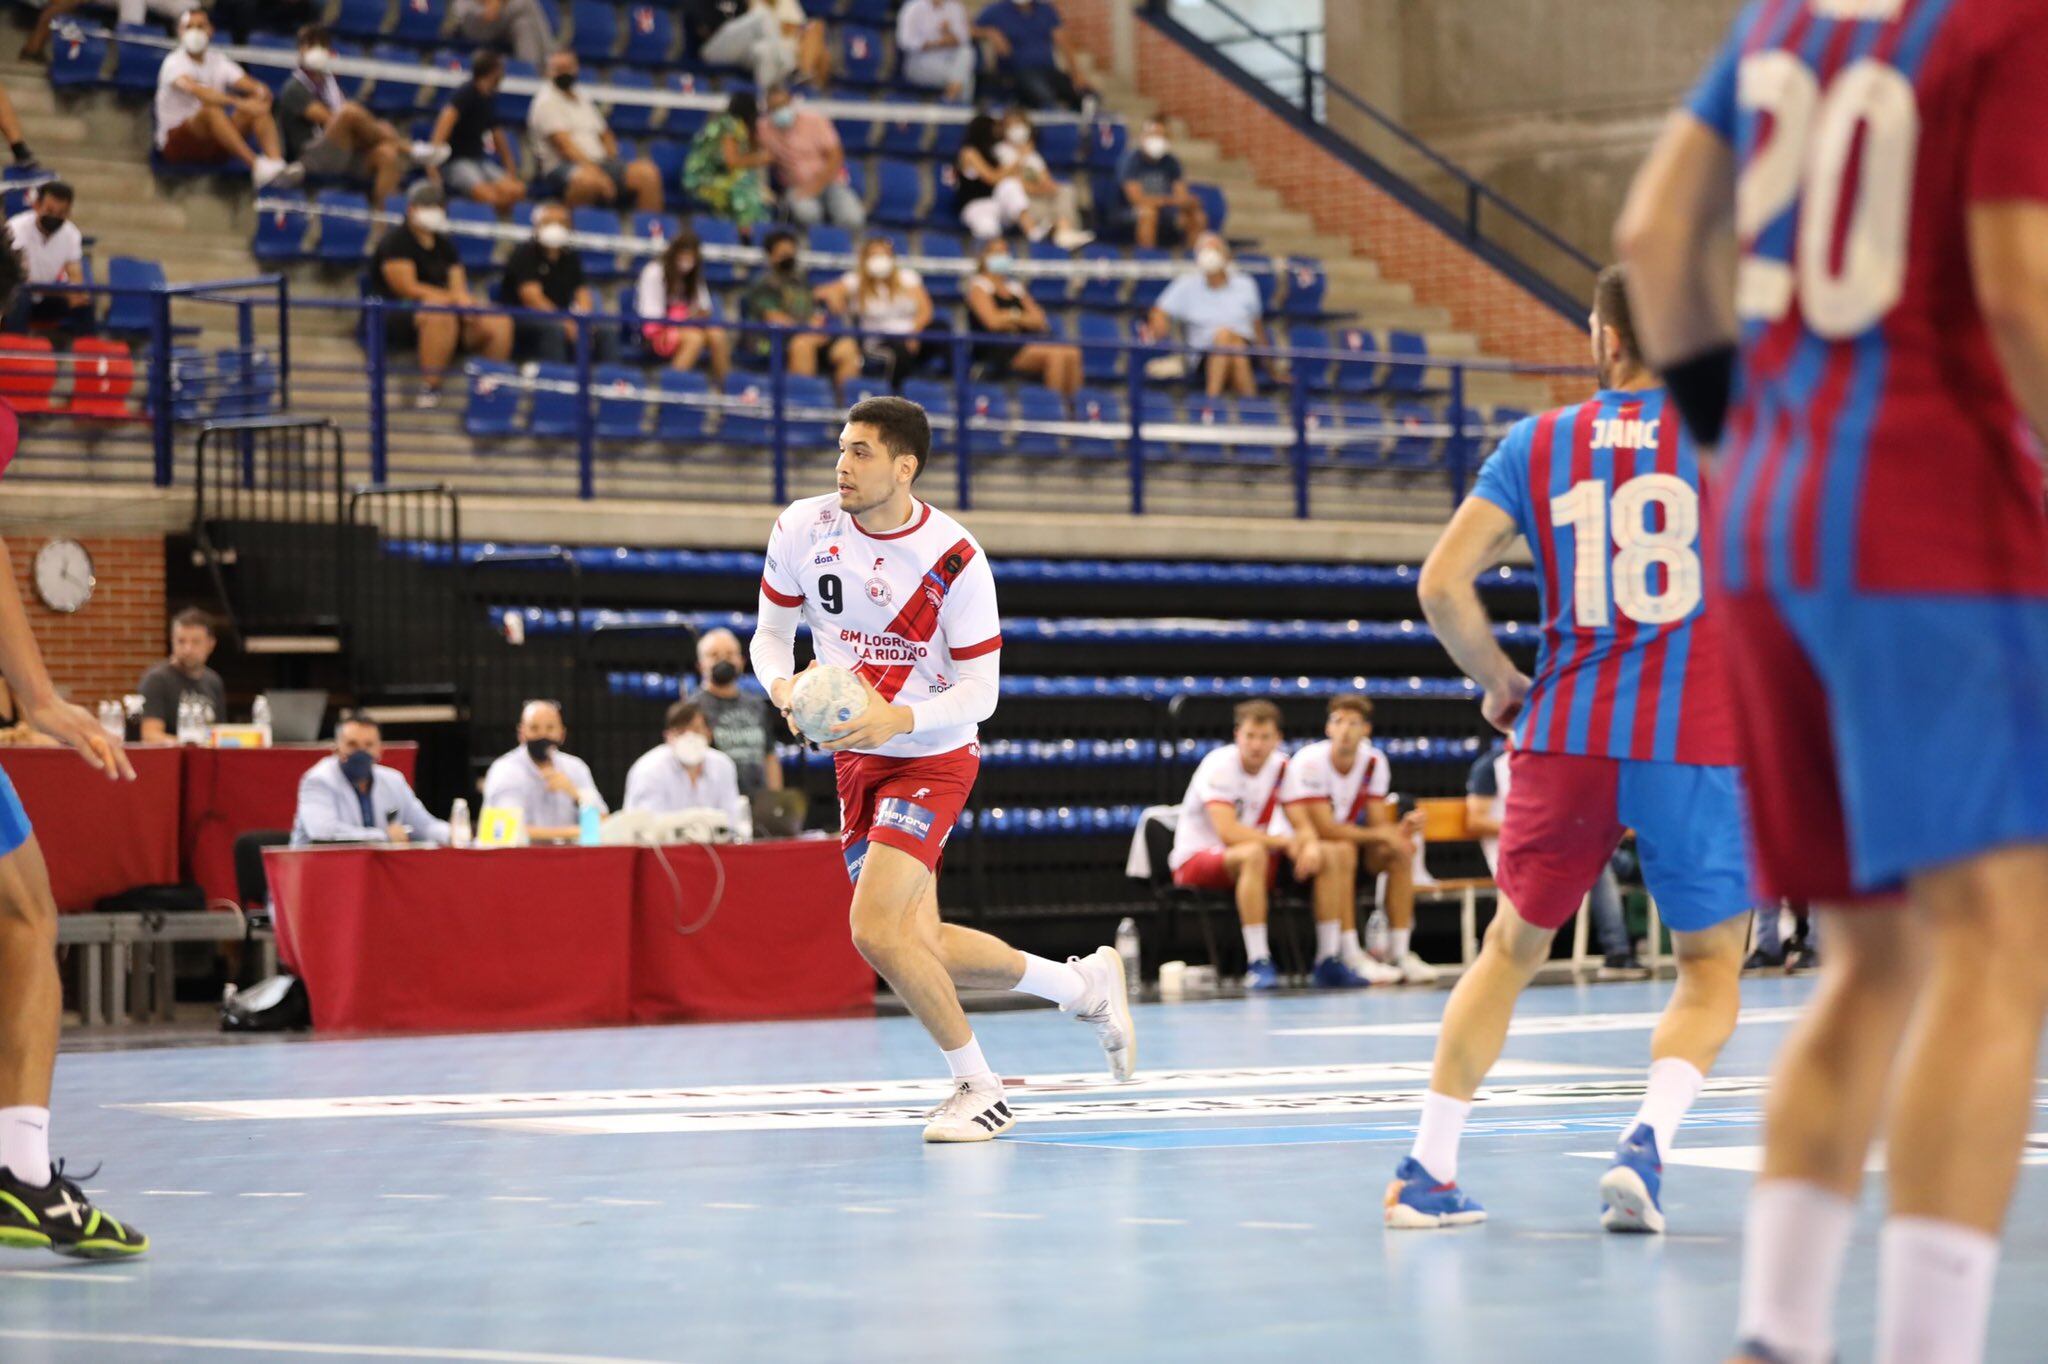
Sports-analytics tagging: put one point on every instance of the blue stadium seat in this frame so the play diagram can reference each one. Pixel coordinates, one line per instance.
(342, 240)
(874, 13)
(1095, 405)
(493, 400)
(899, 192)
(632, 120)
(1414, 449)
(933, 395)
(1145, 292)
(1200, 412)
(668, 153)
(191, 380)
(650, 36)
(1103, 291)
(136, 64)
(554, 408)
(1359, 376)
(719, 232)
(597, 29)
(621, 410)
(1100, 364)
(988, 408)
(682, 421)
(394, 96)
(599, 264)
(272, 76)
(359, 18)
(1050, 290)
(1036, 404)
(418, 23)
(1213, 203)
(1314, 373)
(1259, 267)
(947, 140)
(1408, 378)
(1060, 145)
(280, 232)
(814, 394)
(1106, 145)
(856, 135)
(861, 55)
(905, 137)
(475, 252)
(749, 417)
(77, 62)
(248, 385)
(658, 227)
(131, 311)
(1306, 284)
(1259, 412)
(510, 108)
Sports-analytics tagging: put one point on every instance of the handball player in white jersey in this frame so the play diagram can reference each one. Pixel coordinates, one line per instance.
(900, 594)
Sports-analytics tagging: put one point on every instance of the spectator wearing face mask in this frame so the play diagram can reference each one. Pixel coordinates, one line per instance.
(520, 26)
(416, 262)
(671, 291)
(888, 301)
(1158, 205)
(545, 275)
(547, 786)
(810, 164)
(990, 194)
(480, 162)
(1219, 310)
(779, 295)
(578, 156)
(726, 170)
(336, 137)
(1001, 304)
(53, 251)
(935, 45)
(209, 111)
(349, 796)
(1053, 209)
(773, 39)
(684, 772)
(1029, 44)
(744, 726)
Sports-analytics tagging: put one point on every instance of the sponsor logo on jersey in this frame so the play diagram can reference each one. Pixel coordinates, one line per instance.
(882, 649)
(856, 858)
(906, 816)
(878, 591)
(828, 555)
(1613, 433)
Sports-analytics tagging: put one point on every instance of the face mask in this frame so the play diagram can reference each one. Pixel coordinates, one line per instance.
(49, 223)
(1000, 266)
(195, 40)
(785, 117)
(432, 221)
(565, 82)
(1018, 135)
(690, 748)
(1154, 146)
(881, 267)
(316, 59)
(1209, 260)
(724, 673)
(540, 749)
(783, 265)
(358, 766)
(553, 236)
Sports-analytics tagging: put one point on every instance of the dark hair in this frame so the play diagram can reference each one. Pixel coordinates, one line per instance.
(192, 616)
(745, 108)
(679, 285)
(1610, 305)
(681, 715)
(353, 716)
(55, 189)
(1355, 703)
(1260, 712)
(487, 64)
(776, 236)
(313, 35)
(902, 424)
(983, 133)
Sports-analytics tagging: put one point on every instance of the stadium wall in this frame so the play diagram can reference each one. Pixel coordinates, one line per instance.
(102, 650)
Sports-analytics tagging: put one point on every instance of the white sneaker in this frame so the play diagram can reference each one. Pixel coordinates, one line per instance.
(271, 173)
(1413, 970)
(1071, 238)
(430, 155)
(1373, 969)
(974, 1111)
(1107, 1009)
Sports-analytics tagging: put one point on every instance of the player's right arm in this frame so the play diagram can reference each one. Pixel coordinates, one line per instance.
(2008, 216)
(772, 651)
(1477, 538)
(21, 661)
(1234, 831)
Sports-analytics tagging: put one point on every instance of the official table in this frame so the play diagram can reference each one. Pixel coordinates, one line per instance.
(441, 940)
(228, 792)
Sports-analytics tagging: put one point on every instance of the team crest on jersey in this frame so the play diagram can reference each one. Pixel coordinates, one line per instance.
(878, 591)
(827, 515)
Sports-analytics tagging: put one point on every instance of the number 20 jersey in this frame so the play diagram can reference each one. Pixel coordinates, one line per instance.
(1628, 662)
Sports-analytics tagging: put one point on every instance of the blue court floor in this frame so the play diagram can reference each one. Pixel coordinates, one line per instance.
(760, 1193)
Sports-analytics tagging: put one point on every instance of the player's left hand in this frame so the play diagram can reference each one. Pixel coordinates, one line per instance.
(74, 727)
(873, 727)
(1307, 857)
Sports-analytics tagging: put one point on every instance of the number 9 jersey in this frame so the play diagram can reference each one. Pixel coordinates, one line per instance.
(1628, 662)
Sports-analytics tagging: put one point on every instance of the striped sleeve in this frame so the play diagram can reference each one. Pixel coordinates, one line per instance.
(779, 582)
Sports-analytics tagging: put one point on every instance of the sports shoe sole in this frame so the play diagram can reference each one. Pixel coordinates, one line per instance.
(1120, 1004)
(1401, 1217)
(21, 1238)
(973, 1131)
(1630, 1209)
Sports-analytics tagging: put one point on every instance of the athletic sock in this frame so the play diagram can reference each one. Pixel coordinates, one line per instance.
(1934, 1283)
(1329, 936)
(1053, 980)
(1353, 952)
(1255, 948)
(1794, 1240)
(1397, 944)
(25, 1144)
(1674, 1084)
(1436, 1138)
(967, 1063)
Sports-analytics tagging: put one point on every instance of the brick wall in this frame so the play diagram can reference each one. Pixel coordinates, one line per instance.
(1342, 203)
(102, 650)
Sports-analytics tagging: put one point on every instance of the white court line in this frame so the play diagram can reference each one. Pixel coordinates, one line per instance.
(1012, 1216)
(1154, 1221)
(414, 1197)
(61, 1276)
(734, 1207)
(1552, 1026)
(1278, 1226)
(307, 1347)
(624, 1202)
(1750, 1159)
(271, 1195)
(176, 1193)
(516, 1198)
(860, 1211)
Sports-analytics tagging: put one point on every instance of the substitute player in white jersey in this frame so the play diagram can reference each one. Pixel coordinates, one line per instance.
(899, 593)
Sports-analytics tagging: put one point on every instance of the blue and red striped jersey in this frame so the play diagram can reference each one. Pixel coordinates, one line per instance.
(1628, 664)
(1875, 446)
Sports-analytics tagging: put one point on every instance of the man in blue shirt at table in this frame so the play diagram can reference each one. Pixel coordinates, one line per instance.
(544, 784)
(686, 773)
(1025, 37)
(351, 797)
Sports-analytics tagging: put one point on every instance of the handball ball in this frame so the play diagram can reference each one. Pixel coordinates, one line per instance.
(824, 697)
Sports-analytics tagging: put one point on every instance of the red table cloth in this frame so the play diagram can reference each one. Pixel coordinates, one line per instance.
(425, 940)
(229, 792)
(100, 837)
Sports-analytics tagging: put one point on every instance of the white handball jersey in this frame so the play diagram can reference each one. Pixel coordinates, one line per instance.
(1252, 796)
(1311, 775)
(899, 609)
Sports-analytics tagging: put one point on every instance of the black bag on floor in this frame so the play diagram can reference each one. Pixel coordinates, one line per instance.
(278, 1004)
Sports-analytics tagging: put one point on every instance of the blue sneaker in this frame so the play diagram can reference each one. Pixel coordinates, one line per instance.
(1262, 975)
(1629, 1189)
(1417, 1202)
(1332, 974)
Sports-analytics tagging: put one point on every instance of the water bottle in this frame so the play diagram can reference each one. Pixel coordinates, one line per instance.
(1377, 933)
(1127, 948)
(191, 728)
(114, 721)
(259, 716)
(588, 831)
(458, 824)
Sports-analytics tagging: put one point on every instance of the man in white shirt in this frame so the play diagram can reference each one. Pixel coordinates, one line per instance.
(684, 772)
(545, 785)
(579, 157)
(53, 251)
(1223, 841)
(209, 110)
(1337, 789)
(1219, 309)
(936, 45)
(351, 797)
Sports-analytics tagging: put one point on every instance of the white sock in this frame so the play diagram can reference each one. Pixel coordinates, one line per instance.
(1794, 1240)
(1329, 934)
(967, 1063)
(1397, 943)
(1353, 952)
(25, 1144)
(1436, 1139)
(1933, 1291)
(1674, 1084)
(1053, 980)
(1255, 948)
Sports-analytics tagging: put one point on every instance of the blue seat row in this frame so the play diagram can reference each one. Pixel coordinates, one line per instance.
(664, 686)
(1065, 820)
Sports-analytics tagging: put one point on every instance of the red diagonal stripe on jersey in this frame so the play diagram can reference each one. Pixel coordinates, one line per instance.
(919, 618)
(888, 679)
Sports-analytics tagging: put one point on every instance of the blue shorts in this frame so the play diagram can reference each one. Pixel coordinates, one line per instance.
(14, 825)
(1566, 813)
(1883, 736)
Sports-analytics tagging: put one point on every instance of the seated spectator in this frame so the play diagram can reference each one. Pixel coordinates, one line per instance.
(183, 676)
(53, 252)
(1220, 311)
(37, 48)
(10, 132)
(1223, 842)
(336, 137)
(1000, 303)
(351, 797)
(547, 786)
(480, 163)
(889, 302)
(672, 291)
(1053, 209)
(518, 26)
(578, 156)
(991, 195)
(935, 47)
(773, 39)
(416, 262)
(545, 275)
(208, 109)
(1158, 204)
(744, 726)
(810, 164)
(779, 295)
(1029, 46)
(726, 170)
(686, 773)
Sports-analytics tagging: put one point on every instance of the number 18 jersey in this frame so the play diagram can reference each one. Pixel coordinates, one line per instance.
(1628, 665)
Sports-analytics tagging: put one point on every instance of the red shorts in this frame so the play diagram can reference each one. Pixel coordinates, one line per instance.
(1205, 871)
(910, 804)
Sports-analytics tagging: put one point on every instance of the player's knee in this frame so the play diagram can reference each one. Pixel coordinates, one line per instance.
(1341, 856)
(1253, 858)
(1518, 941)
(876, 935)
(25, 914)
